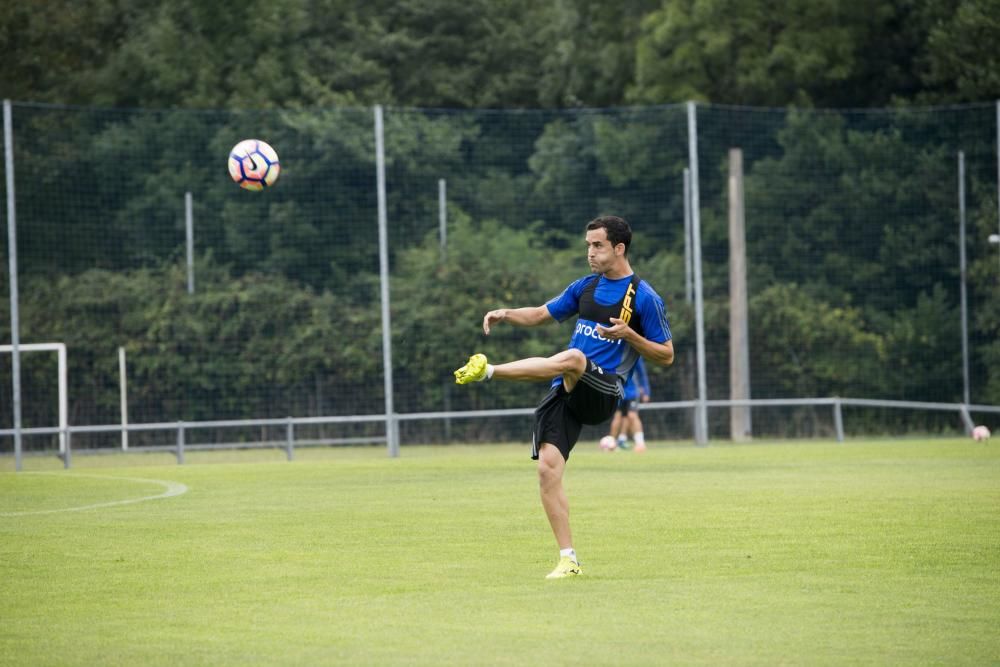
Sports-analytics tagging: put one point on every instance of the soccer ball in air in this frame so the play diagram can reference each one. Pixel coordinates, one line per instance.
(980, 434)
(253, 164)
(608, 444)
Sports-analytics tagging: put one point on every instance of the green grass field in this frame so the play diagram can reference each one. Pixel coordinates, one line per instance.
(878, 552)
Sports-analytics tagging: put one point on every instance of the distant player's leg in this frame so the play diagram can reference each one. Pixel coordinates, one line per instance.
(635, 428)
(621, 416)
(616, 425)
(617, 429)
(551, 465)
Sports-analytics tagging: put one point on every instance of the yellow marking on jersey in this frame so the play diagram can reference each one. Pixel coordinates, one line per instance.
(626, 314)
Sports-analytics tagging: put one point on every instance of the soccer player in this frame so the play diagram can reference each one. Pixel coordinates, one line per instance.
(626, 421)
(620, 317)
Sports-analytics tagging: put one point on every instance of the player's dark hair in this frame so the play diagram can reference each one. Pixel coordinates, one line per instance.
(617, 229)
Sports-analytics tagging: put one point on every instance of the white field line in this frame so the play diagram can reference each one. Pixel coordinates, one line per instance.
(172, 489)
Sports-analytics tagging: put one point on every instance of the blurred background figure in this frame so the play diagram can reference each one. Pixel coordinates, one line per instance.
(626, 423)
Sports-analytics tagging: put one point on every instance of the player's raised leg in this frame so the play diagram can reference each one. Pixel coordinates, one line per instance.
(570, 364)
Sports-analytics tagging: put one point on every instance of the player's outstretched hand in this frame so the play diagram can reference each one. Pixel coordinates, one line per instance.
(493, 317)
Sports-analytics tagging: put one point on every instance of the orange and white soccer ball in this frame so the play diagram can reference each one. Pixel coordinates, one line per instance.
(981, 434)
(253, 164)
(608, 444)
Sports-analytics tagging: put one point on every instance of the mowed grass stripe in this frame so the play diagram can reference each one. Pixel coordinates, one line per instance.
(803, 553)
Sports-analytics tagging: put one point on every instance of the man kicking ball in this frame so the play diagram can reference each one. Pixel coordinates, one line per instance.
(620, 317)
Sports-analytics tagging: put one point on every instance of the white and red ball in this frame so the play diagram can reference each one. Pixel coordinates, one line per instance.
(981, 434)
(253, 164)
(608, 444)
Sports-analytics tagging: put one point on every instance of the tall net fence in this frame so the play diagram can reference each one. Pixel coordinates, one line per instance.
(853, 258)
(852, 223)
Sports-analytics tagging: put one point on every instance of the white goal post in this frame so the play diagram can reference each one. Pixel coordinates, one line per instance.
(60, 348)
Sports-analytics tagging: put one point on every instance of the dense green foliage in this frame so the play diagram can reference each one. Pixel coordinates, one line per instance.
(509, 53)
(851, 216)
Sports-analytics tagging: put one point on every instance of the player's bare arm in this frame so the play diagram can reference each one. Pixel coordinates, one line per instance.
(522, 317)
(660, 353)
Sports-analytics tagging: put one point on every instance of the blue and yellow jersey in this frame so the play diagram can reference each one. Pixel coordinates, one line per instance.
(596, 300)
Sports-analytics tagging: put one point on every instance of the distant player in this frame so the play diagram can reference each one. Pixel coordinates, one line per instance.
(626, 421)
(620, 318)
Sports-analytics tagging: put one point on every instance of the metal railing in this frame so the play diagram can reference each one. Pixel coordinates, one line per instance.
(291, 441)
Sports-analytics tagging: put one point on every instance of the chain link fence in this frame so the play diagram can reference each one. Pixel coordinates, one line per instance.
(853, 271)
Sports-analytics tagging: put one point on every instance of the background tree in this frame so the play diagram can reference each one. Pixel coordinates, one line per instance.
(961, 62)
(831, 53)
(503, 54)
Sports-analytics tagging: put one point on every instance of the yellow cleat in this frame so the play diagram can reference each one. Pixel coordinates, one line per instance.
(567, 567)
(473, 371)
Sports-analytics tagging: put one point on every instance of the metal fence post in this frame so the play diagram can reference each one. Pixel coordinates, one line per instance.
(443, 232)
(838, 419)
(15, 326)
(123, 395)
(962, 274)
(701, 412)
(391, 429)
(180, 443)
(289, 439)
(67, 455)
(189, 233)
(963, 411)
(998, 178)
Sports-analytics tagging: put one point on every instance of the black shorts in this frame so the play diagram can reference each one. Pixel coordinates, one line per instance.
(626, 406)
(560, 416)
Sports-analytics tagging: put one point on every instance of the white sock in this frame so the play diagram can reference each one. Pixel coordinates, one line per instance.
(640, 438)
(568, 552)
(489, 371)
(622, 439)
